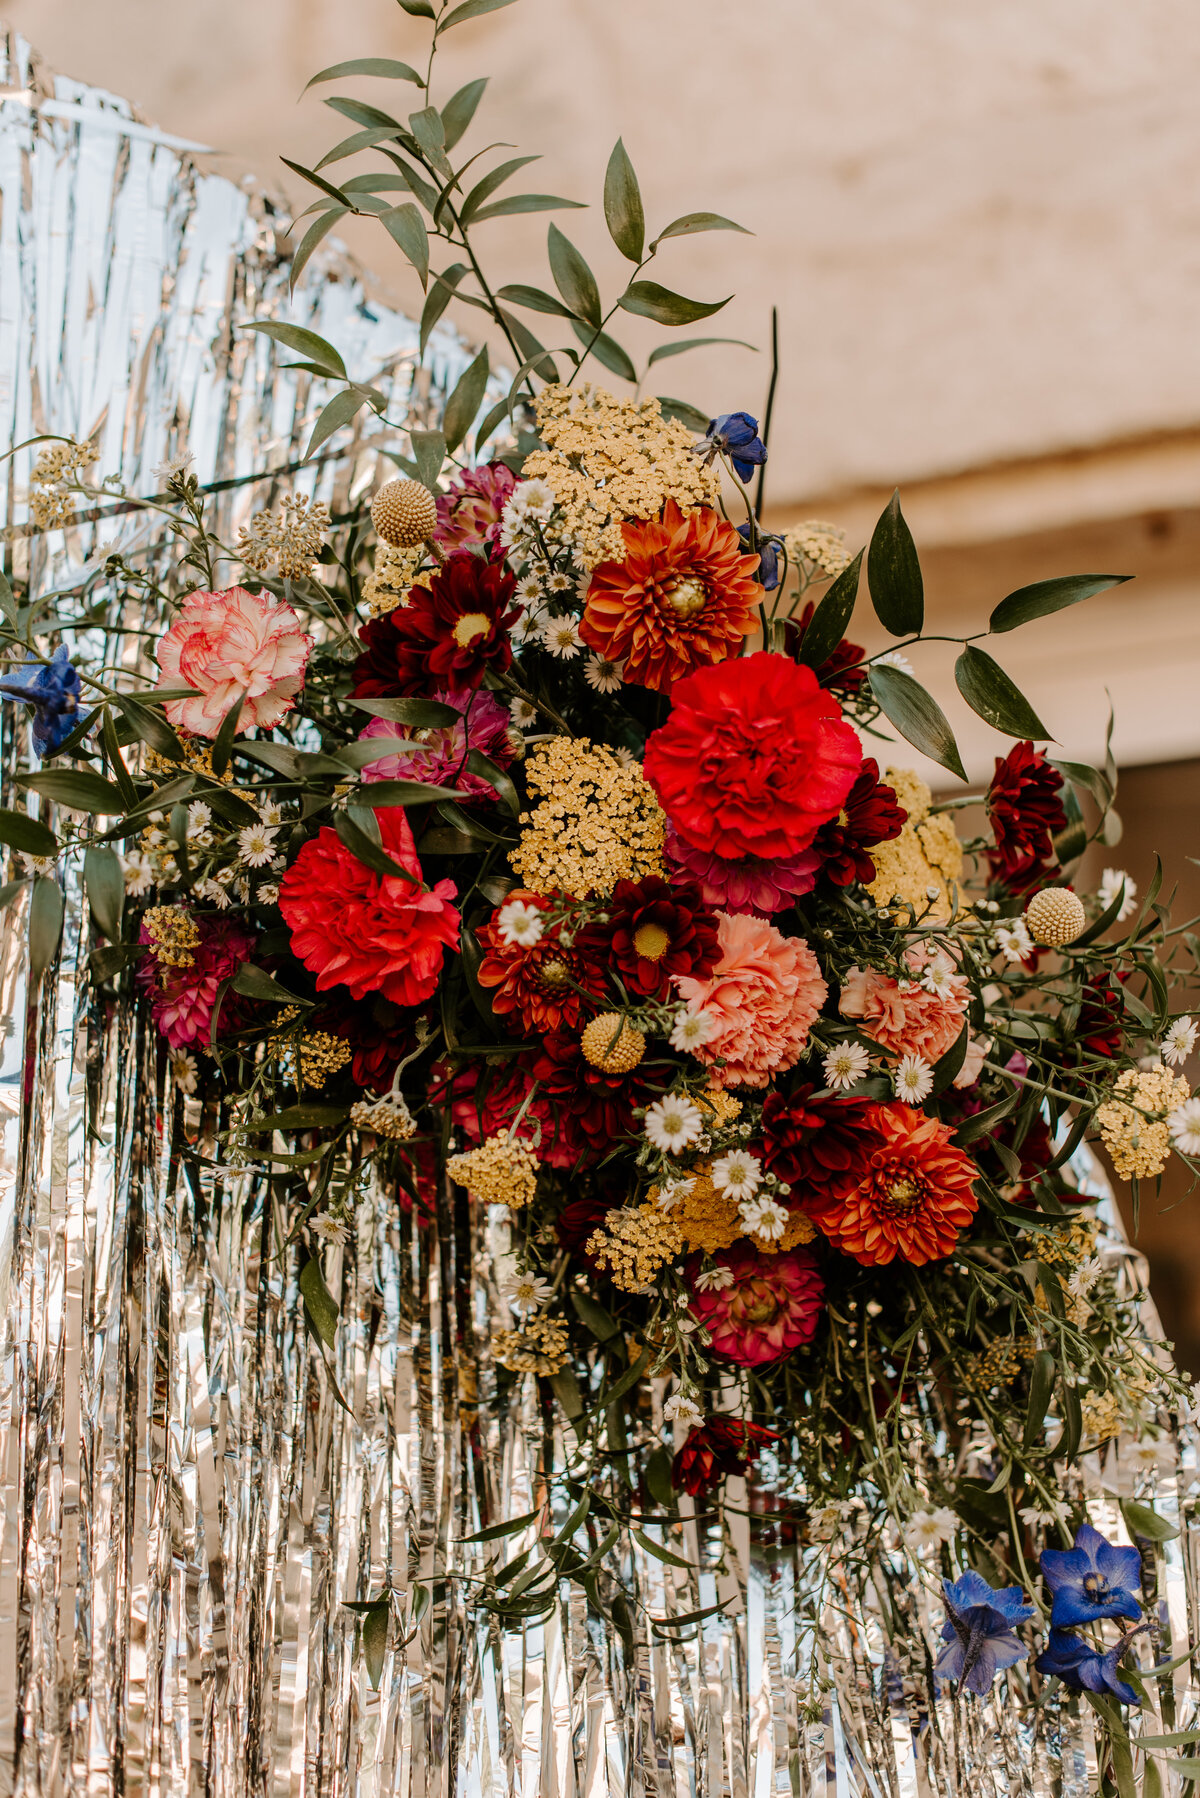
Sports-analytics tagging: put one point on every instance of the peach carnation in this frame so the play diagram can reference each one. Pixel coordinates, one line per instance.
(762, 997)
(228, 643)
(903, 1016)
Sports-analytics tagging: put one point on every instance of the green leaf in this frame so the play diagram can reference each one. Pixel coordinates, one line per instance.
(536, 357)
(606, 350)
(534, 300)
(497, 779)
(462, 407)
(368, 116)
(658, 1551)
(374, 1640)
(994, 697)
(116, 761)
(1041, 1385)
(692, 222)
(492, 422)
(152, 728)
(8, 605)
(623, 210)
(1072, 1411)
(319, 1302)
(310, 175)
(223, 742)
(299, 1117)
(1044, 597)
(1090, 779)
(1142, 1520)
(1071, 841)
(426, 126)
(573, 278)
(593, 1315)
(685, 412)
(45, 926)
(460, 109)
(429, 452)
(381, 66)
(363, 140)
(694, 343)
(472, 957)
(948, 1066)
(894, 574)
(648, 300)
(20, 831)
(470, 9)
(485, 188)
(372, 749)
(834, 611)
(10, 890)
(305, 343)
(107, 963)
(663, 1625)
(77, 788)
(406, 227)
(104, 879)
(916, 715)
(418, 9)
(439, 297)
(256, 983)
(422, 714)
(315, 234)
(981, 1123)
(369, 854)
(495, 1532)
(519, 203)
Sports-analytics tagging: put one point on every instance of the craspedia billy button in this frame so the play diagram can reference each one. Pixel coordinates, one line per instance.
(404, 513)
(1055, 917)
(612, 1044)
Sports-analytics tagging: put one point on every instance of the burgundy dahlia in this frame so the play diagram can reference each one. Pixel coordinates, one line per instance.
(446, 635)
(654, 930)
(714, 1450)
(1025, 811)
(869, 816)
(811, 1138)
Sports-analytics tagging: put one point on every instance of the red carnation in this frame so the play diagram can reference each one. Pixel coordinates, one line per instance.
(869, 816)
(811, 1138)
(445, 636)
(753, 759)
(843, 671)
(374, 933)
(539, 981)
(1025, 812)
(714, 1450)
(654, 930)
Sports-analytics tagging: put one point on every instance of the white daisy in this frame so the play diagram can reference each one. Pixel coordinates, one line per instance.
(36, 864)
(534, 499)
(268, 893)
(519, 924)
(270, 811)
(215, 893)
(1014, 941)
(1084, 1277)
(329, 1229)
(199, 817)
(1111, 882)
(913, 1079)
(737, 1175)
(714, 1279)
(625, 757)
(938, 977)
(1184, 1125)
(929, 1529)
(256, 844)
(522, 714)
(529, 590)
(845, 1065)
(1033, 1517)
(559, 582)
(1179, 1042)
(525, 630)
(682, 1410)
(671, 1191)
(691, 1030)
(560, 637)
(602, 675)
(139, 875)
(184, 1068)
(826, 1522)
(173, 466)
(673, 1123)
(763, 1217)
(893, 659)
(525, 1293)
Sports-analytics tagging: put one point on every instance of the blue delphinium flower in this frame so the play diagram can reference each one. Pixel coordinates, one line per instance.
(53, 689)
(768, 556)
(978, 1631)
(736, 435)
(1091, 1580)
(1086, 1668)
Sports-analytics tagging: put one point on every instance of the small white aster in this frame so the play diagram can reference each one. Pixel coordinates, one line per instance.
(329, 1229)
(268, 893)
(913, 1079)
(625, 757)
(173, 466)
(691, 1030)
(671, 1191)
(519, 924)
(1179, 1042)
(522, 714)
(199, 820)
(929, 1529)
(714, 1279)
(737, 1175)
(256, 844)
(529, 590)
(36, 864)
(1084, 1277)
(139, 875)
(1014, 941)
(1147, 1455)
(673, 1123)
(216, 893)
(602, 675)
(185, 1070)
(559, 582)
(270, 811)
(763, 1217)
(1184, 1125)
(893, 659)
(560, 637)
(1111, 882)
(525, 630)
(826, 1521)
(845, 1065)
(535, 499)
(525, 1293)
(938, 977)
(1033, 1517)
(684, 1411)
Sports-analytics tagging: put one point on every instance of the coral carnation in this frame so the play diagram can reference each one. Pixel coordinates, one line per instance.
(469, 513)
(537, 982)
(654, 931)
(911, 1198)
(772, 1305)
(683, 597)
(228, 643)
(746, 885)
(438, 755)
(762, 996)
(1024, 810)
(869, 816)
(753, 759)
(370, 932)
(901, 1016)
(714, 1450)
(182, 996)
(446, 635)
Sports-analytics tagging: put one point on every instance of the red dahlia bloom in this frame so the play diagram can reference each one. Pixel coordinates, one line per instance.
(182, 998)
(445, 636)
(586, 1109)
(714, 1450)
(654, 930)
(772, 1305)
(1099, 1028)
(538, 983)
(844, 671)
(869, 816)
(683, 597)
(812, 1138)
(911, 1197)
(1025, 811)
(374, 933)
(380, 1034)
(753, 759)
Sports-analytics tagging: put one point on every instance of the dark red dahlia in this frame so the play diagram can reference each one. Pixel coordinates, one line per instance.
(586, 1109)
(714, 1450)
(869, 816)
(1099, 1028)
(654, 930)
(445, 636)
(1025, 811)
(844, 671)
(380, 1034)
(812, 1138)
(536, 986)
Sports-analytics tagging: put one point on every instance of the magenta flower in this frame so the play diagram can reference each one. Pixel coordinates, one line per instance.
(745, 886)
(182, 998)
(439, 756)
(469, 513)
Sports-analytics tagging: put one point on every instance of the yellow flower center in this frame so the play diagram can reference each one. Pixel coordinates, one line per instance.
(553, 972)
(687, 598)
(651, 941)
(470, 626)
(904, 1195)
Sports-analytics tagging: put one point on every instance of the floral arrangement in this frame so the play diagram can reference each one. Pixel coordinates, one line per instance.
(539, 839)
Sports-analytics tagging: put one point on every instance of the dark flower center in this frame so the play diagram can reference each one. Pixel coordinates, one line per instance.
(1095, 1587)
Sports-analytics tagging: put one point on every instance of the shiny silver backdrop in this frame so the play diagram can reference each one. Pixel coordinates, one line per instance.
(187, 1506)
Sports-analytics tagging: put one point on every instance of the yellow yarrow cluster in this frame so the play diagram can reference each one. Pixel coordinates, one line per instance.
(50, 504)
(611, 459)
(539, 1347)
(290, 538)
(634, 1244)
(927, 853)
(174, 935)
(1139, 1145)
(396, 570)
(388, 1117)
(310, 1058)
(597, 822)
(721, 1106)
(822, 546)
(501, 1171)
(1067, 1248)
(710, 1221)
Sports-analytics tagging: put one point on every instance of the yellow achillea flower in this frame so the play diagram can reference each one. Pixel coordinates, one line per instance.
(1139, 1144)
(597, 821)
(926, 854)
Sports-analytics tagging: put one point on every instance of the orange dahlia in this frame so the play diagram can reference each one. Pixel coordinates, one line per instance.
(909, 1194)
(683, 597)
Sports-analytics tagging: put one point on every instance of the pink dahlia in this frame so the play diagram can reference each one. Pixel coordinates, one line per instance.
(470, 512)
(182, 998)
(904, 1016)
(747, 885)
(228, 643)
(762, 997)
(439, 755)
(771, 1305)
